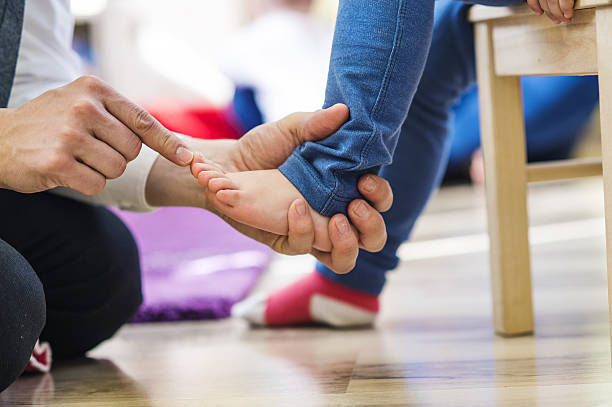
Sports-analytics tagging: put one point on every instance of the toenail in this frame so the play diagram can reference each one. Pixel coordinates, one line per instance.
(361, 210)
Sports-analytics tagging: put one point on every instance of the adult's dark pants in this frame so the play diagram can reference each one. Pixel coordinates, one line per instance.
(69, 274)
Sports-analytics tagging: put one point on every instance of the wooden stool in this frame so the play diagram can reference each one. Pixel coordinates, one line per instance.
(513, 42)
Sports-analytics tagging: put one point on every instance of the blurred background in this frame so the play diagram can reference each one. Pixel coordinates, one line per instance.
(197, 53)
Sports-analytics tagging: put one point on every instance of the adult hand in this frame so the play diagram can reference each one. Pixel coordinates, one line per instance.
(268, 146)
(368, 223)
(78, 136)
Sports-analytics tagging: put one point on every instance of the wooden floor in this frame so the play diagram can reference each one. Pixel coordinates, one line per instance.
(433, 345)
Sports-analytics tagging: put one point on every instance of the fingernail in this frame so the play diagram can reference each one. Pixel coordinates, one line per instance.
(369, 184)
(185, 156)
(361, 210)
(300, 208)
(342, 226)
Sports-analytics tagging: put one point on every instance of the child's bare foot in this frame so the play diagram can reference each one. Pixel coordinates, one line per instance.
(260, 199)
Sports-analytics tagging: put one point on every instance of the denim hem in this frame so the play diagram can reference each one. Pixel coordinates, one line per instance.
(320, 197)
(369, 281)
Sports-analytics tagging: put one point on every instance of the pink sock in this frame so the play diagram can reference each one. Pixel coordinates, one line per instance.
(313, 298)
(40, 361)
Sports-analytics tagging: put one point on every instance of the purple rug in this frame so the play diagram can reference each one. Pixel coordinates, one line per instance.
(194, 265)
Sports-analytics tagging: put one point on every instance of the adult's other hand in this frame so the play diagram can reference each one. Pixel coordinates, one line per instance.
(78, 136)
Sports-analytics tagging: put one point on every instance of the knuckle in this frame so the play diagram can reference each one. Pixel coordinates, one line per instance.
(94, 186)
(55, 161)
(133, 147)
(84, 108)
(70, 135)
(91, 83)
(118, 168)
(143, 121)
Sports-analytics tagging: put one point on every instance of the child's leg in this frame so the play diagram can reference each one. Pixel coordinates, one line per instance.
(378, 53)
(377, 58)
(419, 162)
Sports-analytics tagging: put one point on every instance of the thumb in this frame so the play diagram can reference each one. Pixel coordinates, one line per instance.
(323, 123)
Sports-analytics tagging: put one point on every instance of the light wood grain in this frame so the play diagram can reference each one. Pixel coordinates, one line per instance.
(484, 13)
(530, 45)
(433, 345)
(604, 47)
(503, 145)
(564, 169)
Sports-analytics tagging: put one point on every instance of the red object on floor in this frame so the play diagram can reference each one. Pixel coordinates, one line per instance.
(40, 361)
(291, 305)
(199, 122)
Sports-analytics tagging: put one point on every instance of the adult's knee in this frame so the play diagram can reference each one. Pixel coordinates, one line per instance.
(105, 292)
(22, 313)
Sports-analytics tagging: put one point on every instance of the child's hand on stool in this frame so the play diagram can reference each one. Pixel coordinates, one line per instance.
(559, 11)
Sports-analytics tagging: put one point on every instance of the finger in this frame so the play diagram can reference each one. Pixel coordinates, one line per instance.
(114, 133)
(83, 179)
(149, 130)
(301, 229)
(345, 246)
(567, 7)
(546, 7)
(535, 6)
(369, 224)
(377, 190)
(315, 125)
(218, 184)
(555, 9)
(99, 156)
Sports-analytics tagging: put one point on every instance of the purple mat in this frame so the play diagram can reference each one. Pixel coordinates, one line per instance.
(194, 265)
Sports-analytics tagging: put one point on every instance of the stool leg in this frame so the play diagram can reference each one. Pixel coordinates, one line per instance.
(604, 54)
(503, 146)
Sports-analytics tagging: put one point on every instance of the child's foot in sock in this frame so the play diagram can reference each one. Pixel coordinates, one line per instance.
(311, 299)
(260, 199)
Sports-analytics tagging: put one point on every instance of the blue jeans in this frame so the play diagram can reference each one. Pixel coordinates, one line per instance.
(378, 54)
(424, 140)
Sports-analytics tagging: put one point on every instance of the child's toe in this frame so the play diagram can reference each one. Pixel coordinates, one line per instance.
(229, 197)
(204, 177)
(220, 183)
